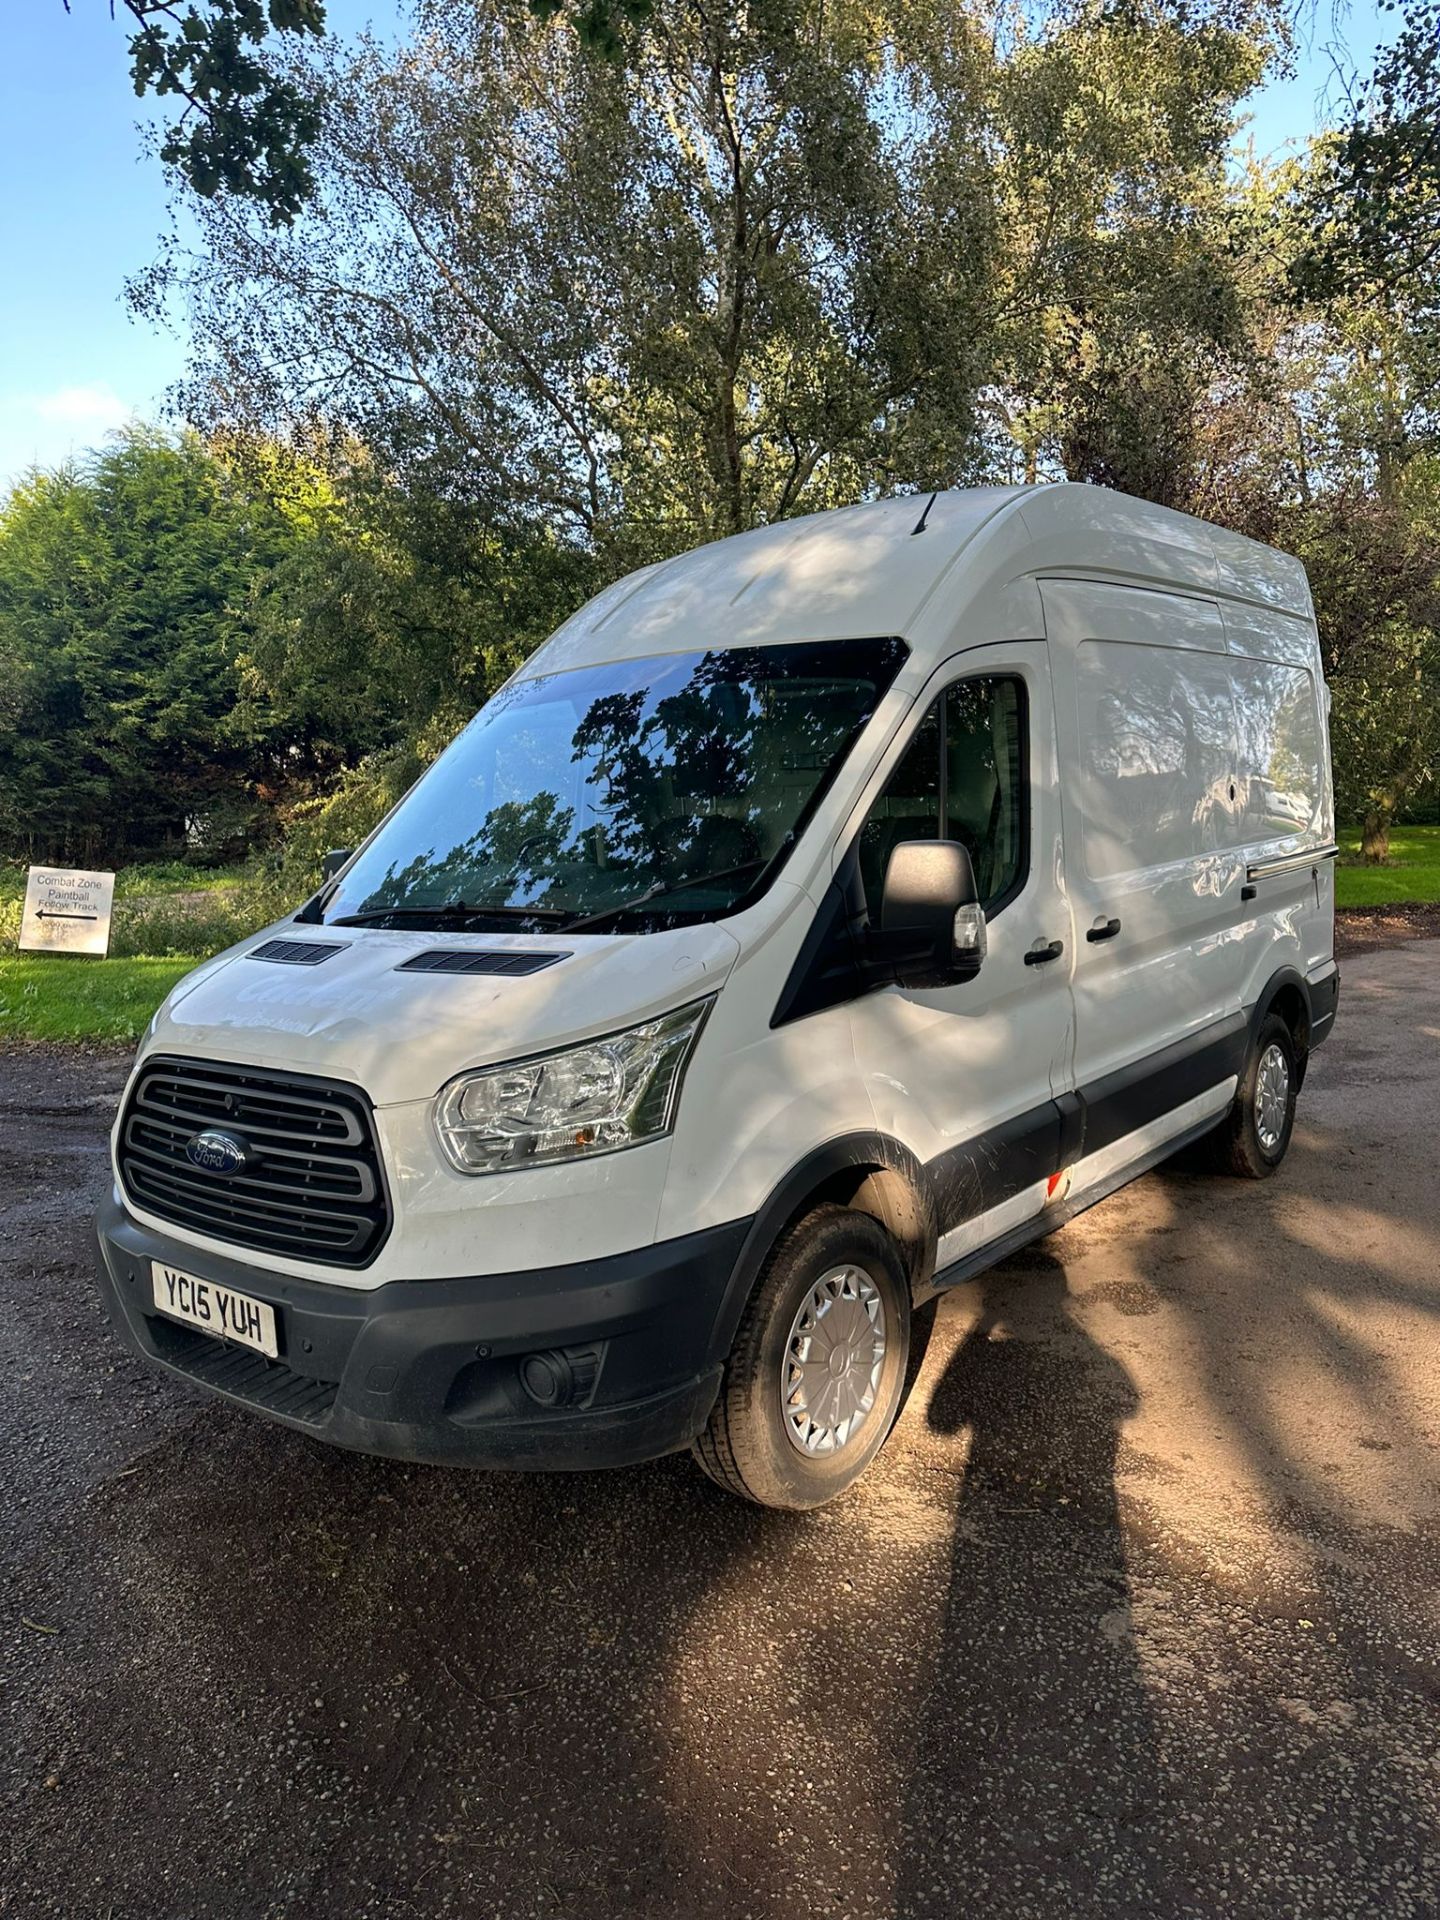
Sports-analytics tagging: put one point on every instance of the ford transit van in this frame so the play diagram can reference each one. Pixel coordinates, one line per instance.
(812, 921)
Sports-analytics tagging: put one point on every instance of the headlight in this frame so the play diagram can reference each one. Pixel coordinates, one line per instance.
(594, 1098)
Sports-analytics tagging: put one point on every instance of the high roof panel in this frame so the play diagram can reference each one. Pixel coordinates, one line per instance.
(859, 572)
(863, 572)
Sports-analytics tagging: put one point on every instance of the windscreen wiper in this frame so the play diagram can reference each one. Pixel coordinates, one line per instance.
(660, 889)
(455, 910)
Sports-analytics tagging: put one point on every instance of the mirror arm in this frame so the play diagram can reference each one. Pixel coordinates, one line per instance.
(889, 956)
(896, 946)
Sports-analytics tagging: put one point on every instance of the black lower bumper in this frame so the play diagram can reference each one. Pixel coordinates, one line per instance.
(602, 1363)
(1324, 1005)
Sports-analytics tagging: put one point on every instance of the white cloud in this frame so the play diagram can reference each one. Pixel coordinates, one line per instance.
(86, 410)
(42, 429)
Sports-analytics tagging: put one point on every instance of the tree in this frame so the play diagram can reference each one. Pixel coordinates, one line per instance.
(784, 256)
(123, 596)
(1123, 301)
(246, 128)
(1374, 199)
(1322, 444)
(1374, 570)
(396, 610)
(642, 303)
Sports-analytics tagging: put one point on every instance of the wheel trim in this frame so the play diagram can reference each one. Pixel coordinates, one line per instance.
(1272, 1097)
(833, 1361)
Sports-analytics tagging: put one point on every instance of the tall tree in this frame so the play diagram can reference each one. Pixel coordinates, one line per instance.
(786, 254)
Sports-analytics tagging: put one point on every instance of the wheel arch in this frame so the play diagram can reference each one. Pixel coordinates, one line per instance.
(871, 1172)
(1287, 993)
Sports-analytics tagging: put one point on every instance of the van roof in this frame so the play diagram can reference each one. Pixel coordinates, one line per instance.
(866, 571)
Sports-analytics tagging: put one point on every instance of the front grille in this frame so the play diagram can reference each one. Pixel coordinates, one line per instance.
(478, 960)
(312, 1187)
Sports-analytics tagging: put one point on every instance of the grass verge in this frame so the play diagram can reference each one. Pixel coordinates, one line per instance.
(1412, 875)
(67, 997)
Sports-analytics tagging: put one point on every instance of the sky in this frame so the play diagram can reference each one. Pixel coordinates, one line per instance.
(81, 207)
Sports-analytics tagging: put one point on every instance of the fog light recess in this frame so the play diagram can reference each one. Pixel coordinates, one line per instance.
(561, 1376)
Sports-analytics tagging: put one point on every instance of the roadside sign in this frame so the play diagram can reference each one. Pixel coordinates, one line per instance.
(66, 911)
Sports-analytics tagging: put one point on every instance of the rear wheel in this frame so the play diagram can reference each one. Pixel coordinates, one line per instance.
(1255, 1136)
(815, 1377)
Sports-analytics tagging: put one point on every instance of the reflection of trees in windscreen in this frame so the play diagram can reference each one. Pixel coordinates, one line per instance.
(672, 783)
(703, 770)
(713, 774)
(514, 843)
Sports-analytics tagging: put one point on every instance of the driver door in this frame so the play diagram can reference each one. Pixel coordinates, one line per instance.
(975, 1078)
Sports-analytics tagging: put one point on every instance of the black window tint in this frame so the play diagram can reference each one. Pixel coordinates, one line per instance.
(984, 780)
(965, 766)
(908, 809)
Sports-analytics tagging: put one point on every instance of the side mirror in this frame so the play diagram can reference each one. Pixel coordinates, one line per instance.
(932, 926)
(332, 862)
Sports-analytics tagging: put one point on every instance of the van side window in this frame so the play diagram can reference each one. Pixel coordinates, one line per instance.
(985, 800)
(908, 809)
(1156, 728)
(961, 778)
(1278, 759)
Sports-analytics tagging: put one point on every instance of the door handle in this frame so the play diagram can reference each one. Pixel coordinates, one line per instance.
(1103, 930)
(1043, 951)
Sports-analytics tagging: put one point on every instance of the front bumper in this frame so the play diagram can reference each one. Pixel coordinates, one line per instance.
(431, 1370)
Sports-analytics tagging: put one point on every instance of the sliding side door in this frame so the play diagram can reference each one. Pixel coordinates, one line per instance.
(1154, 866)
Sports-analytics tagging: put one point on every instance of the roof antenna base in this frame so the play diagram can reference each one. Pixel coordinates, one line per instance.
(919, 526)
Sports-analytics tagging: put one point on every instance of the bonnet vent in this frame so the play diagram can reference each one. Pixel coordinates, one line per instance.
(485, 960)
(298, 953)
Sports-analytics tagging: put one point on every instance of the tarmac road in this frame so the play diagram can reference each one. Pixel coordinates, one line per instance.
(1137, 1614)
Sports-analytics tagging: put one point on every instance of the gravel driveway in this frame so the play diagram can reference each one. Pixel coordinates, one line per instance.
(1137, 1614)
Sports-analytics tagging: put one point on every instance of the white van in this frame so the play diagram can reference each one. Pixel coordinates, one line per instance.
(812, 921)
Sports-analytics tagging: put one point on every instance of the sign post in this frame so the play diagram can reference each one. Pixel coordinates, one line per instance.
(66, 911)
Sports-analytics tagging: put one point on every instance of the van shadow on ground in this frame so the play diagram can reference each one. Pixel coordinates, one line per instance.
(300, 1683)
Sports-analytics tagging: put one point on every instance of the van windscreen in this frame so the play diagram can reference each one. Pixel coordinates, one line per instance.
(634, 794)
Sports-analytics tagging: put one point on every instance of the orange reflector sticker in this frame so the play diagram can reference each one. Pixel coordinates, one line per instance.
(1054, 1182)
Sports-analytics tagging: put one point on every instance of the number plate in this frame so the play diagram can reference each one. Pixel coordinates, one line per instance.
(214, 1309)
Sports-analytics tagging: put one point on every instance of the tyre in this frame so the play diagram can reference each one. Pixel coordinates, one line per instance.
(817, 1371)
(1255, 1135)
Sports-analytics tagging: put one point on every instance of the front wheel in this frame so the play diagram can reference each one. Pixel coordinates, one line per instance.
(815, 1377)
(1255, 1135)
